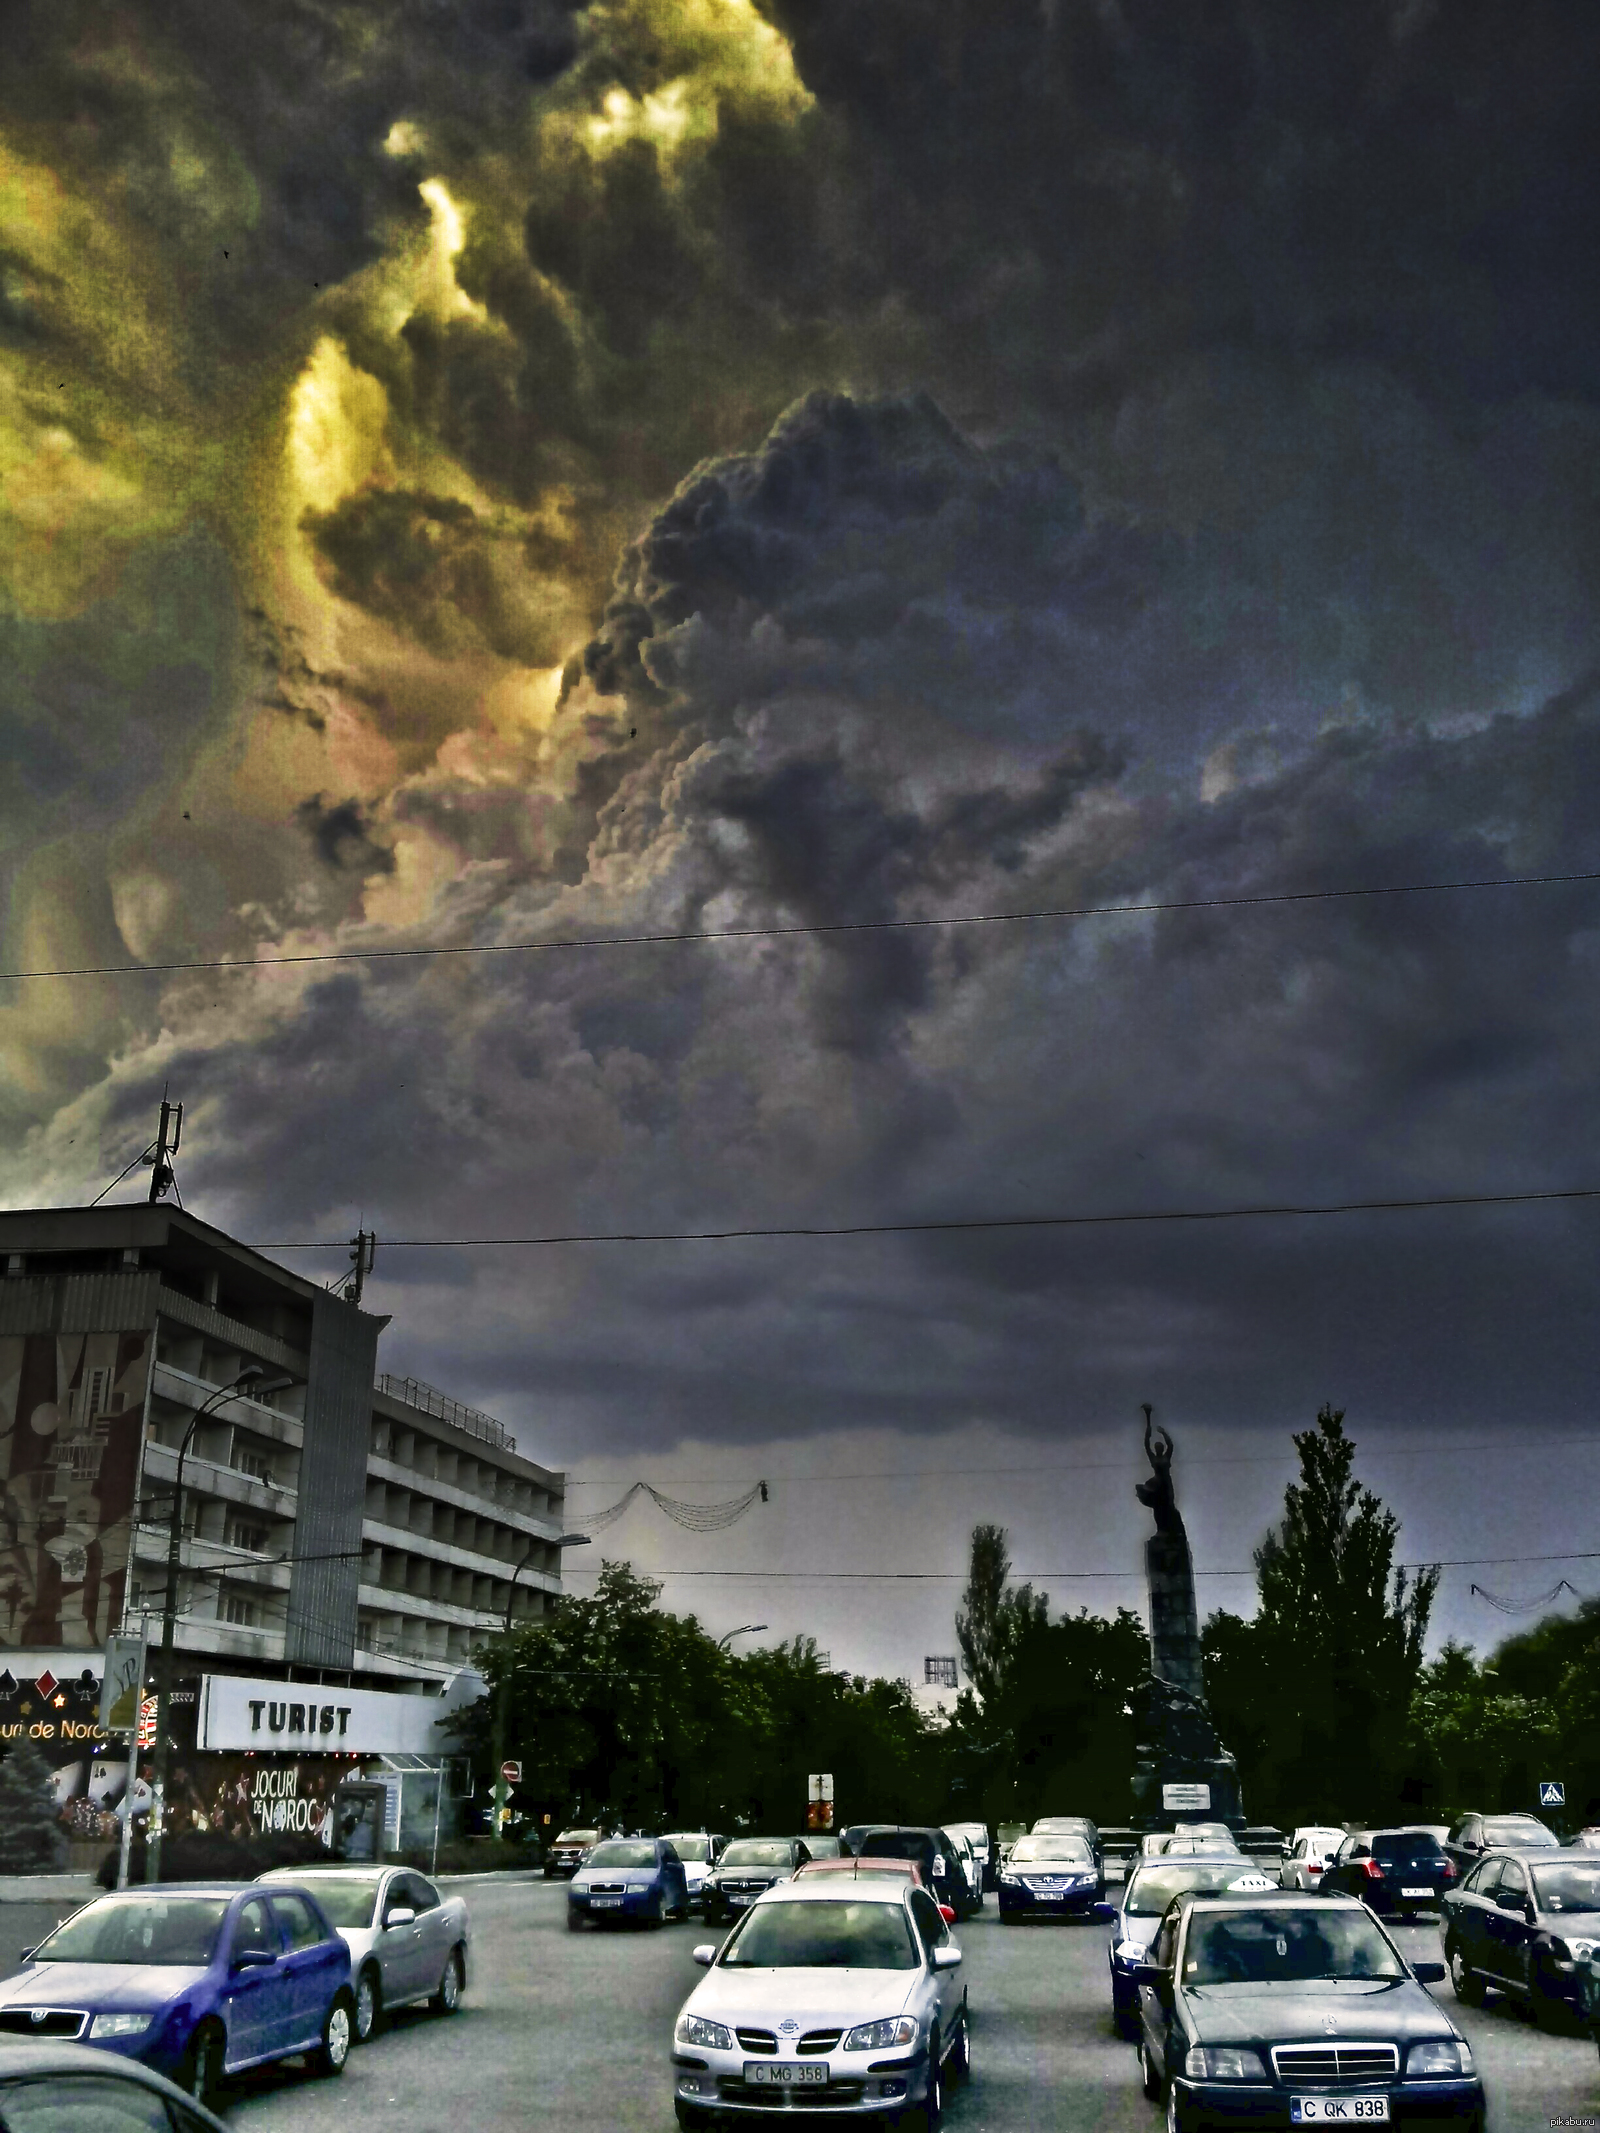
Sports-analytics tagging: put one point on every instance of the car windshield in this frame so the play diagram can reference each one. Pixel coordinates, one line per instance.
(1567, 1888)
(346, 1898)
(1060, 1851)
(1283, 1946)
(756, 1851)
(1059, 1825)
(823, 1936)
(1524, 1836)
(138, 1929)
(578, 1836)
(1153, 1887)
(693, 1851)
(1391, 1846)
(633, 1852)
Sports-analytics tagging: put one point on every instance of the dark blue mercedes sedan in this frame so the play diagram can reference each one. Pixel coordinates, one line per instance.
(195, 1980)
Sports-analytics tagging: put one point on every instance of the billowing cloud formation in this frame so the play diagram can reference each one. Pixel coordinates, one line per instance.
(1187, 486)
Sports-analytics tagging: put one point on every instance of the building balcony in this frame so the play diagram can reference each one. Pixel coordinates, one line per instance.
(205, 1477)
(403, 1542)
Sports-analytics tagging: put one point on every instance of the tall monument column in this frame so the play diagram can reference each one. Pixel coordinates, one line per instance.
(1183, 1770)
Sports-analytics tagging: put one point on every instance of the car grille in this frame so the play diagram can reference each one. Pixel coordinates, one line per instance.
(816, 2041)
(757, 2040)
(608, 1888)
(745, 1888)
(1336, 2062)
(732, 2089)
(43, 2021)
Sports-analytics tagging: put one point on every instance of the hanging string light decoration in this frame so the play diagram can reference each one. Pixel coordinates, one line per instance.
(693, 1517)
(1522, 1607)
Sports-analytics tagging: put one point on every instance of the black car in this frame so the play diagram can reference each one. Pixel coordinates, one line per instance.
(1396, 1871)
(1145, 1896)
(749, 1866)
(1474, 1834)
(1526, 1922)
(1050, 1877)
(46, 2084)
(1282, 2009)
(934, 1851)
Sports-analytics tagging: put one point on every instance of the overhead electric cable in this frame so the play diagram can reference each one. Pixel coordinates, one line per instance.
(939, 1224)
(712, 934)
(1449, 1562)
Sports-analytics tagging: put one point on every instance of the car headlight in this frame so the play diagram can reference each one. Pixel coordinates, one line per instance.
(1130, 1951)
(1438, 2055)
(1223, 2062)
(120, 2025)
(1008, 1880)
(881, 2036)
(707, 2036)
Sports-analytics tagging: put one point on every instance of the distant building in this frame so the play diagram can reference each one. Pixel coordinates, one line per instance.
(939, 1673)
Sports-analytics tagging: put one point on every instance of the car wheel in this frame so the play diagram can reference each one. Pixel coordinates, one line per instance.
(338, 2034)
(574, 1918)
(451, 1980)
(1464, 1981)
(931, 2116)
(369, 2005)
(960, 2059)
(202, 2068)
(1150, 2075)
(1547, 2003)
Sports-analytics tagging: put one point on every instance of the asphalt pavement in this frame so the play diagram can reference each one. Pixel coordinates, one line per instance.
(573, 2031)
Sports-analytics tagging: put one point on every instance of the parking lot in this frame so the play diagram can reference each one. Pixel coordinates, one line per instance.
(572, 2030)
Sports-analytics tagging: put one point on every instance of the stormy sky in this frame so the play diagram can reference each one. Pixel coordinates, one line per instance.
(510, 472)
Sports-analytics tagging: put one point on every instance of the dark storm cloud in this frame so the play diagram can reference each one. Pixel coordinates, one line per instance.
(342, 837)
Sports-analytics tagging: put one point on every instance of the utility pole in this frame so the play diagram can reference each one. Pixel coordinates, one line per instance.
(502, 1791)
(363, 1252)
(251, 1374)
(170, 1132)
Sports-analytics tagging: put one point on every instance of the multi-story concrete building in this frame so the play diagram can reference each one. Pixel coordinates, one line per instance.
(338, 1525)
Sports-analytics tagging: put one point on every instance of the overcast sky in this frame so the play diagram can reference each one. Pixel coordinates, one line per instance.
(521, 473)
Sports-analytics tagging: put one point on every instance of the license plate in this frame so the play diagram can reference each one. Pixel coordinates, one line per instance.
(784, 2074)
(737, 1903)
(1416, 1892)
(605, 1903)
(1338, 2110)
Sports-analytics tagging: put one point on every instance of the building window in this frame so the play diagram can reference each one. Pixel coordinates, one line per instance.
(939, 1673)
(256, 1464)
(238, 1610)
(243, 1534)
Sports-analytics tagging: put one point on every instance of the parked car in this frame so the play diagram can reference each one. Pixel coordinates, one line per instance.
(850, 1838)
(983, 1850)
(1184, 1847)
(698, 1852)
(970, 1859)
(852, 2001)
(934, 1850)
(749, 1866)
(568, 1852)
(1154, 1842)
(1280, 2009)
(822, 1844)
(406, 1941)
(45, 2088)
(628, 1880)
(1307, 1851)
(1526, 1922)
(1472, 1835)
(196, 1982)
(1396, 1871)
(903, 1870)
(1050, 1876)
(1588, 1838)
(1070, 1826)
(1150, 1888)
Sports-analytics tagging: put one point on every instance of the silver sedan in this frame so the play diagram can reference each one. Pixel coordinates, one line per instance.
(407, 1942)
(851, 1994)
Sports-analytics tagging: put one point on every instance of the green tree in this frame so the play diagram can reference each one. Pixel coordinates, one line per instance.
(30, 1831)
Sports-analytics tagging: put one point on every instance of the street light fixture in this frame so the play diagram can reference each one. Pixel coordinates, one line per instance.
(254, 1376)
(562, 1540)
(750, 1629)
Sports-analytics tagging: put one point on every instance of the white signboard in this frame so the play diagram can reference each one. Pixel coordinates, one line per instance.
(1185, 1799)
(301, 1718)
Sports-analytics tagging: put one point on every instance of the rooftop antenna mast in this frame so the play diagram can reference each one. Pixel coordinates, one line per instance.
(363, 1252)
(163, 1178)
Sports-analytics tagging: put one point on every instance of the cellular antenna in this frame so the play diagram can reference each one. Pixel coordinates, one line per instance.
(363, 1252)
(163, 1178)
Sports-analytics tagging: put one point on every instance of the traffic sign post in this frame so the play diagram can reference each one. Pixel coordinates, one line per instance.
(512, 1773)
(1552, 1792)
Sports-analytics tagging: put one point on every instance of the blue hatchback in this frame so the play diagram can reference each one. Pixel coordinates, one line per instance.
(196, 1980)
(639, 1878)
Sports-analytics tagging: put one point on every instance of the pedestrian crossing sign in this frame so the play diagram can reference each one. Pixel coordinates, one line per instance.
(1552, 1793)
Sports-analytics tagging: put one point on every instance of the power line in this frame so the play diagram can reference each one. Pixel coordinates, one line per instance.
(786, 932)
(1053, 1577)
(942, 1224)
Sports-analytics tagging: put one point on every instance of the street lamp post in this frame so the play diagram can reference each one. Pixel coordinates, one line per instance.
(251, 1375)
(503, 1691)
(750, 1629)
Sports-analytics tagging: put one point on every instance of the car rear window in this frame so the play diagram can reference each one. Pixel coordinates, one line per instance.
(1390, 1846)
(898, 1844)
(823, 1936)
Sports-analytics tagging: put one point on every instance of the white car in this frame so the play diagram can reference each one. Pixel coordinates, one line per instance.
(851, 1995)
(698, 1851)
(406, 1941)
(1307, 1854)
(973, 1837)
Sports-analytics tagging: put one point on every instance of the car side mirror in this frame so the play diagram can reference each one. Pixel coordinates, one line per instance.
(26, 1956)
(254, 1959)
(1428, 1973)
(1153, 1975)
(1106, 1913)
(706, 1954)
(947, 1913)
(946, 1958)
(399, 1916)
